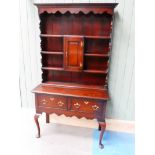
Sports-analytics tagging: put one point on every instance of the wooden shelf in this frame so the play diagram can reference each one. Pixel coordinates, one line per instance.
(50, 35)
(86, 54)
(52, 52)
(85, 36)
(97, 37)
(86, 71)
(96, 55)
(53, 68)
(95, 71)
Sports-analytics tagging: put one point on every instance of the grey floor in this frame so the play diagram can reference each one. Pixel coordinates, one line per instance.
(56, 139)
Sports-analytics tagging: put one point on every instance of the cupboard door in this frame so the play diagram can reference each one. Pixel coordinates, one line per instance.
(73, 53)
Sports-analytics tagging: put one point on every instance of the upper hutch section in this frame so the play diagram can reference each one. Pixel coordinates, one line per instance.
(75, 42)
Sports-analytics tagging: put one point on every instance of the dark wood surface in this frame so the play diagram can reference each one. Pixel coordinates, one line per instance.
(73, 53)
(75, 46)
(74, 91)
(75, 8)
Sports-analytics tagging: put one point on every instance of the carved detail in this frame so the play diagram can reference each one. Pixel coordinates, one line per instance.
(78, 115)
(74, 11)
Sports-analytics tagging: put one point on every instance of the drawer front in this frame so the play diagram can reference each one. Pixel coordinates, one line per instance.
(52, 101)
(85, 105)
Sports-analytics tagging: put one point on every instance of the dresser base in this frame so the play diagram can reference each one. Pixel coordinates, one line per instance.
(71, 100)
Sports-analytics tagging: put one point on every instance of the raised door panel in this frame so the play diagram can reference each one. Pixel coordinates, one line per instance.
(73, 53)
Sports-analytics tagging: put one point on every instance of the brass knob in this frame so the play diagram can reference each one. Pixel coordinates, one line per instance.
(44, 103)
(60, 103)
(81, 43)
(80, 64)
(77, 105)
(86, 102)
(95, 107)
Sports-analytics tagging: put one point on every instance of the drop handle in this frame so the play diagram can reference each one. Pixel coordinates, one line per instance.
(77, 105)
(60, 103)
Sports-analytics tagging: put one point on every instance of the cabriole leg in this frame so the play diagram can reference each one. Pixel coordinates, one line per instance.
(103, 126)
(47, 118)
(99, 127)
(36, 116)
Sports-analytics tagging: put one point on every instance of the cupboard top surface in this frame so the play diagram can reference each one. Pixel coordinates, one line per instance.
(78, 4)
(75, 8)
(72, 91)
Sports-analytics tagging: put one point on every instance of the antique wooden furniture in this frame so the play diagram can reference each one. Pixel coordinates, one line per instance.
(75, 46)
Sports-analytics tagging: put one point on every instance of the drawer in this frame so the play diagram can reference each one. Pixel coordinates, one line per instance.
(52, 101)
(85, 105)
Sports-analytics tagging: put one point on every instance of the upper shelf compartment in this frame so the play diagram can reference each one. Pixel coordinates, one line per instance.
(90, 25)
(75, 8)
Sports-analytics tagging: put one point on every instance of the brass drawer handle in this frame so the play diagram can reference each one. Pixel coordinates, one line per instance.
(95, 107)
(43, 101)
(77, 105)
(60, 103)
(51, 98)
(86, 102)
